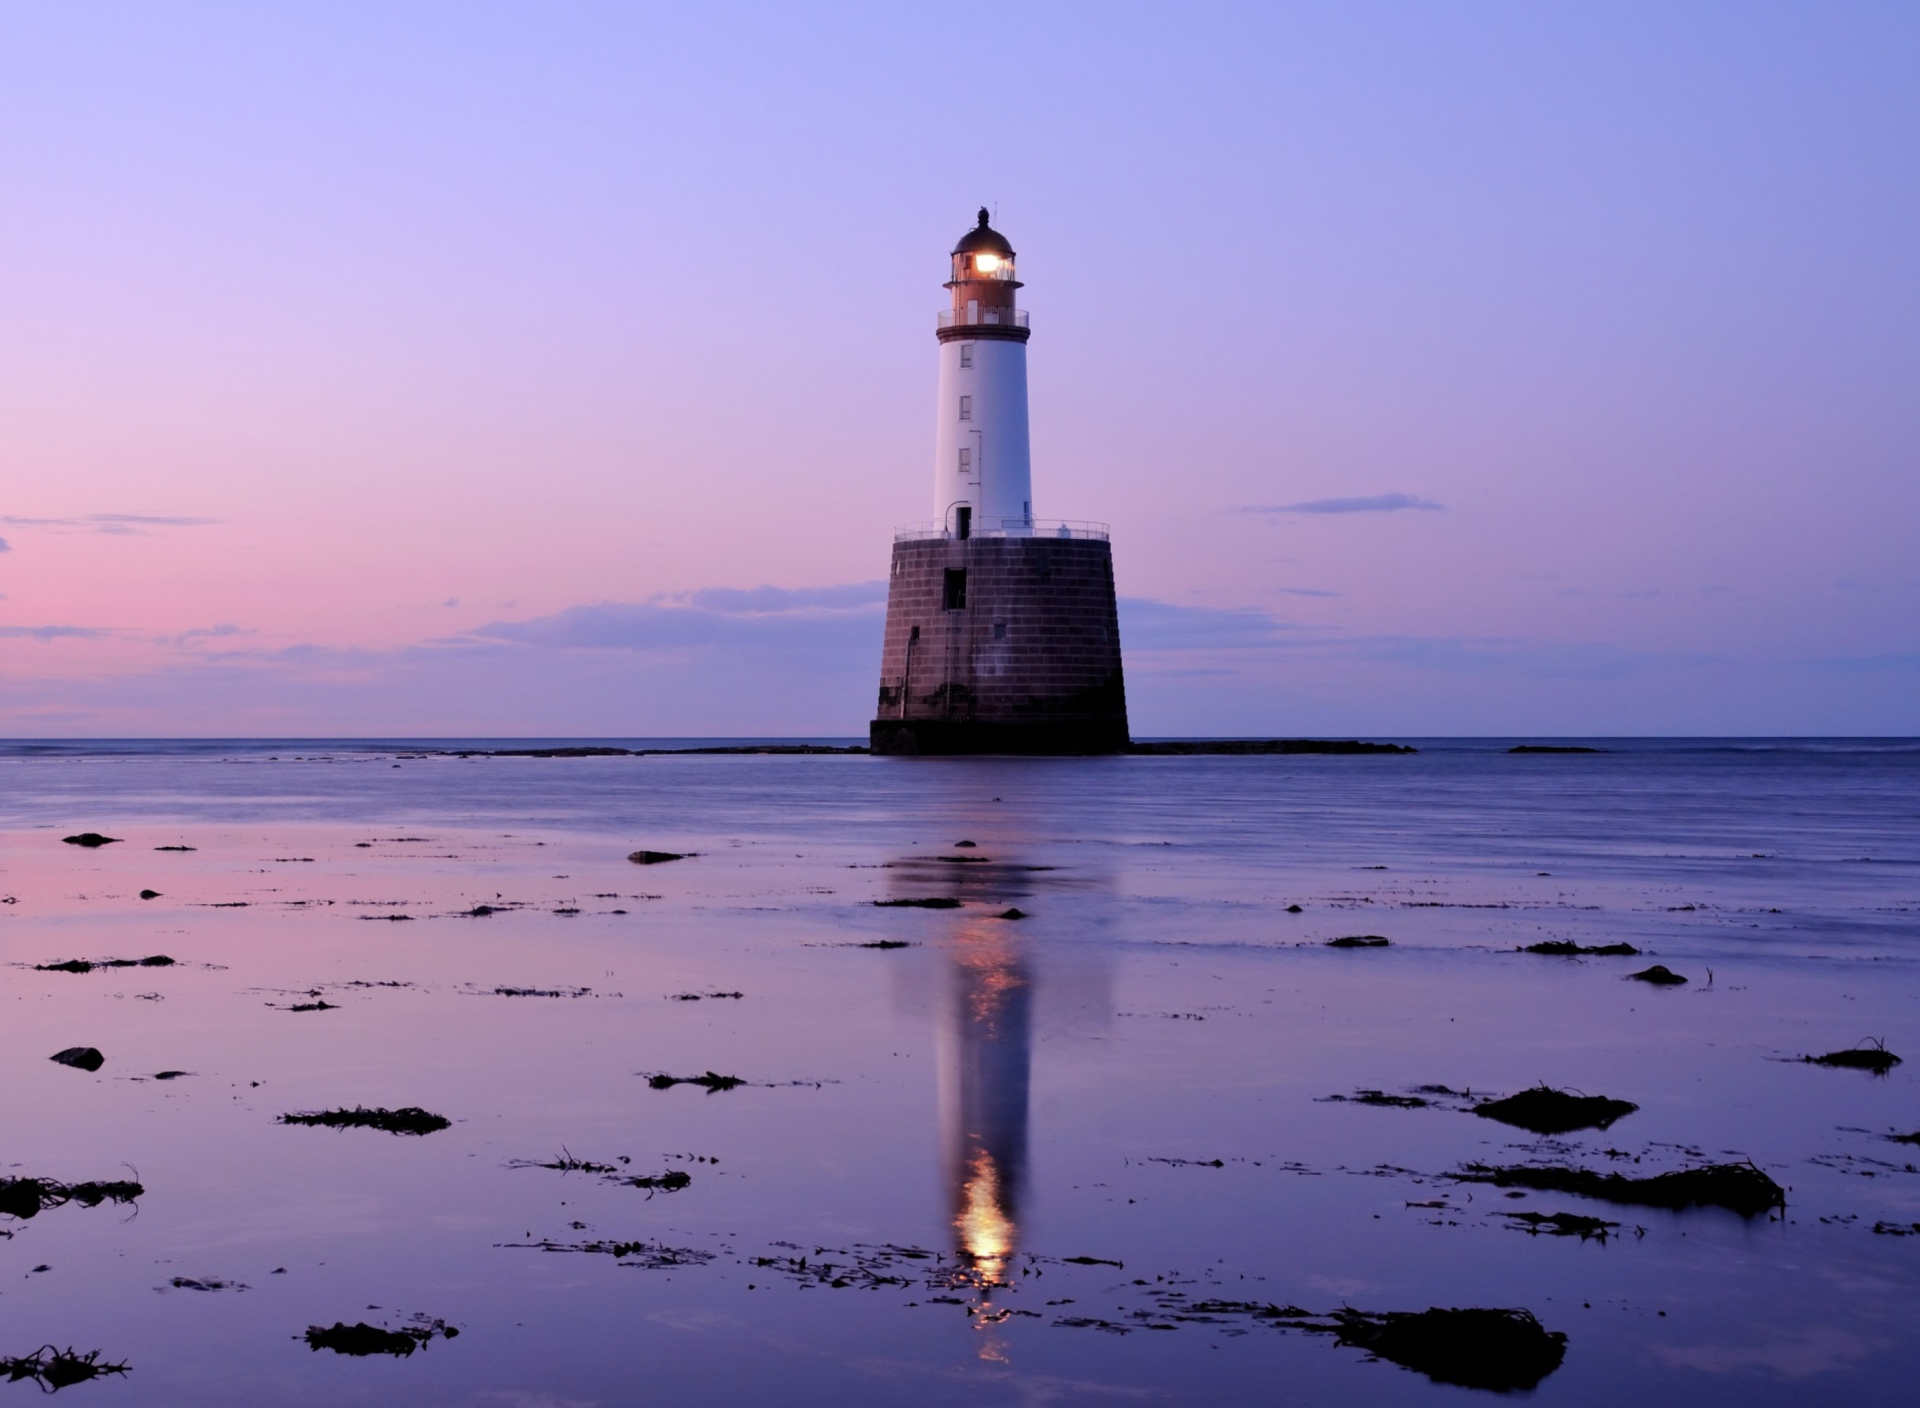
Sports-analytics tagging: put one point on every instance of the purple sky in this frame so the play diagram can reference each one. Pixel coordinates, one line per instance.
(515, 368)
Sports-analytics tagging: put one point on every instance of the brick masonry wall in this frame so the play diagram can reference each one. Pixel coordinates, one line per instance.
(1057, 660)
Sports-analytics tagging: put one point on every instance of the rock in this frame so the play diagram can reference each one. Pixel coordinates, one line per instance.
(1743, 1188)
(149, 894)
(1545, 1110)
(1659, 975)
(90, 839)
(1501, 1350)
(1013, 914)
(82, 1058)
(1872, 1057)
(654, 857)
(1359, 941)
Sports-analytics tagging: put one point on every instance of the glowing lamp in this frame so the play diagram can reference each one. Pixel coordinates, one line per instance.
(987, 263)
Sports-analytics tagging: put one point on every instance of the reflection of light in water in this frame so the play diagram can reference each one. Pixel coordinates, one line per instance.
(986, 1229)
(985, 1057)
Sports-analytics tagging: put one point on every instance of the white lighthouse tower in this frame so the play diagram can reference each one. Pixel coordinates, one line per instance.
(982, 478)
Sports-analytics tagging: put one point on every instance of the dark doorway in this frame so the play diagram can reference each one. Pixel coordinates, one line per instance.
(963, 522)
(953, 596)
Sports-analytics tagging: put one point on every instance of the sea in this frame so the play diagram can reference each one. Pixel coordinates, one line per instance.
(429, 1075)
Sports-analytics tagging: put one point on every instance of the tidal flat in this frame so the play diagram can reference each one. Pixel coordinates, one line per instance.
(981, 1081)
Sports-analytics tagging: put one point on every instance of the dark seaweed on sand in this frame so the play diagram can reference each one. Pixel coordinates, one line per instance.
(1563, 1224)
(1501, 1350)
(55, 1369)
(885, 943)
(650, 1256)
(24, 1197)
(409, 1119)
(1379, 1098)
(712, 1081)
(654, 857)
(90, 839)
(86, 965)
(1743, 1188)
(365, 1339)
(1872, 1056)
(1359, 941)
(1545, 1110)
(671, 1181)
(937, 902)
(1567, 948)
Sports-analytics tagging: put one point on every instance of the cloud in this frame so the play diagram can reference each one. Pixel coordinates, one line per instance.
(1306, 591)
(5, 546)
(766, 600)
(50, 632)
(117, 524)
(1376, 503)
(828, 622)
(1146, 624)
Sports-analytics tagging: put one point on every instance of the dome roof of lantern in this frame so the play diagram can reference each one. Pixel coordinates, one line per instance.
(983, 238)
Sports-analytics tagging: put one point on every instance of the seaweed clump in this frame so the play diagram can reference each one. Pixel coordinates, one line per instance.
(654, 857)
(365, 1339)
(1659, 975)
(24, 1197)
(85, 965)
(1359, 941)
(1563, 1224)
(712, 1081)
(1873, 1056)
(90, 839)
(55, 1369)
(409, 1119)
(1381, 1099)
(1502, 1350)
(1743, 1188)
(937, 902)
(1545, 1110)
(1567, 948)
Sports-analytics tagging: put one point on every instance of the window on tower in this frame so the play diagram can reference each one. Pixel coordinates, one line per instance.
(966, 408)
(966, 354)
(966, 461)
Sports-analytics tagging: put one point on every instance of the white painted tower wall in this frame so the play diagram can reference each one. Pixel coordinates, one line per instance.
(981, 456)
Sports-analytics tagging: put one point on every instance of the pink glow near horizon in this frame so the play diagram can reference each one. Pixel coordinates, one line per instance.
(1500, 371)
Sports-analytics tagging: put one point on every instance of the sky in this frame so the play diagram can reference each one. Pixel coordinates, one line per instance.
(470, 368)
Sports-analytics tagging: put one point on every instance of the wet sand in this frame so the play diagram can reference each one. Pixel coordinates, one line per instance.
(1065, 1158)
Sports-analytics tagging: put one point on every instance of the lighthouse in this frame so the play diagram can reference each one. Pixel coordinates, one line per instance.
(1002, 634)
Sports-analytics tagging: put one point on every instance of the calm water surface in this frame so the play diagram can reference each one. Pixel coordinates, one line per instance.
(1024, 1150)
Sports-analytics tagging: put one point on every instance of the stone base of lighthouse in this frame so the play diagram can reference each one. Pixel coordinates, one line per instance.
(1001, 645)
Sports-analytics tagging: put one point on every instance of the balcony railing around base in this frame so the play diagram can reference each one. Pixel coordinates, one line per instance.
(1009, 528)
(983, 317)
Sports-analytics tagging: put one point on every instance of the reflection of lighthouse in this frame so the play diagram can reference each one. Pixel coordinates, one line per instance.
(1002, 631)
(985, 1052)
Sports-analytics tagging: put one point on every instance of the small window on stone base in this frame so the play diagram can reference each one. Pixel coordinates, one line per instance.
(999, 630)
